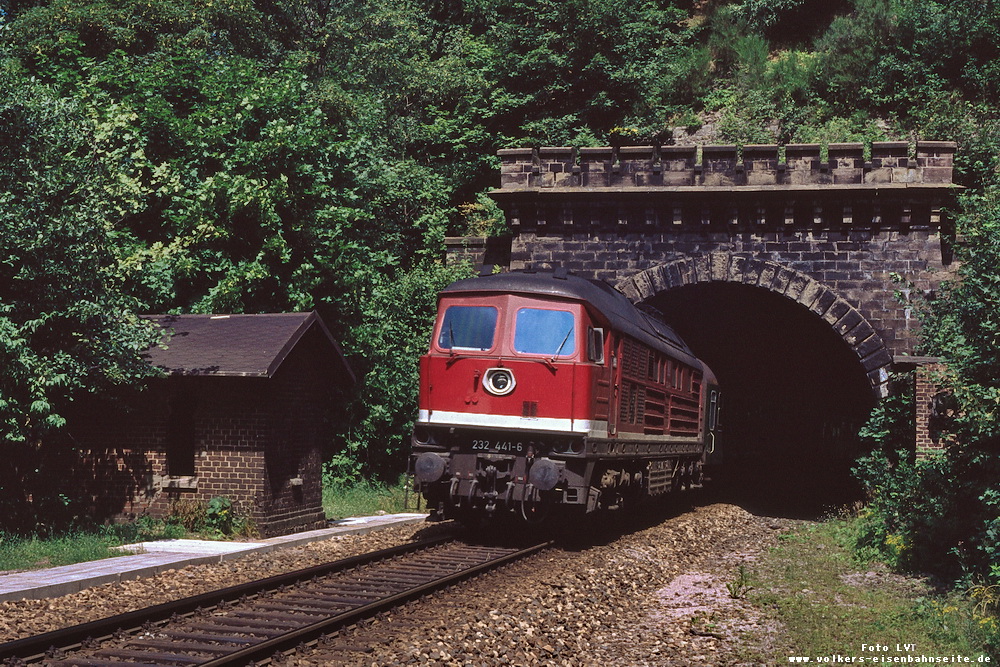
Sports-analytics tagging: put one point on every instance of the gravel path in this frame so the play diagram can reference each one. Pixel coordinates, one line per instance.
(655, 596)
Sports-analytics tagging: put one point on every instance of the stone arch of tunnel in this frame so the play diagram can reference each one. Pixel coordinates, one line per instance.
(796, 385)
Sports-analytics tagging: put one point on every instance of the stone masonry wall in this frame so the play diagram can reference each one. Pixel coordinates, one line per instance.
(883, 163)
(860, 222)
(857, 265)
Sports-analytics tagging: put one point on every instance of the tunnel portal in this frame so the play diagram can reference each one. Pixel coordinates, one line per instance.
(777, 263)
(795, 395)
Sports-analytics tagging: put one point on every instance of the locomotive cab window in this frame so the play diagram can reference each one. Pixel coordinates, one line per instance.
(595, 345)
(468, 328)
(544, 331)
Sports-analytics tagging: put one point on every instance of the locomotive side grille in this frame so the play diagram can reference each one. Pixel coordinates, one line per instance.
(633, 396)
(529, 409)
(683, 416)
(626, 400)
(654, 413)
(633, 358)
(661, 395)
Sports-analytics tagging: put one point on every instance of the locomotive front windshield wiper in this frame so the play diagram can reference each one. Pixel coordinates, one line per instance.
(454, 356)
(561, 345)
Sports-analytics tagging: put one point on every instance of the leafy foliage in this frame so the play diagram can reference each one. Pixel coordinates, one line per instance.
(66, 325)
(393, 334)
(943, 514)
(963, 326)
(248, 156)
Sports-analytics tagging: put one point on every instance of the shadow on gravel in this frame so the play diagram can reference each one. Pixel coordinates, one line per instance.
(580, 532)
(790, 494)
(600, 528)
(770, 492)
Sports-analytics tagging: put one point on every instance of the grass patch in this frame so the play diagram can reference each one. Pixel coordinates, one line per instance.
(365, 498)
(830, 604)
(34, 553)
(211, 520)
(78, 546)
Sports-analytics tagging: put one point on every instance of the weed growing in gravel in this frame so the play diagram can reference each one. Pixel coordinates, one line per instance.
(740, 586)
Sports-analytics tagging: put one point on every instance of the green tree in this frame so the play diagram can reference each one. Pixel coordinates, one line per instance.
(395, 331)
(963, 327)
(236, 169)
(943, 514)
(566, 69)
(66, 326)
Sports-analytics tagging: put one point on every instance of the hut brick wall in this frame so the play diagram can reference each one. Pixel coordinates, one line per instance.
(929, 440)
(253, 437)
(299, 397)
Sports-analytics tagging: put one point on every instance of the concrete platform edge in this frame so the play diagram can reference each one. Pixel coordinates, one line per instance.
(58, 581)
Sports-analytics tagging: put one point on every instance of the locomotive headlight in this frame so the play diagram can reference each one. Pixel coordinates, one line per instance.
(499, 381)
(429, 467)
(421, 435)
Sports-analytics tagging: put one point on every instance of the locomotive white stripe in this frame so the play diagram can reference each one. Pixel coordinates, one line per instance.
(591, 428)
(444, 417)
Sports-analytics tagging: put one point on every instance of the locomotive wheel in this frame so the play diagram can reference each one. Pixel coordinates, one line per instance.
(691, 476)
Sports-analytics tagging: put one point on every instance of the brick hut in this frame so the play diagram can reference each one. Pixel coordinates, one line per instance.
(242, 413)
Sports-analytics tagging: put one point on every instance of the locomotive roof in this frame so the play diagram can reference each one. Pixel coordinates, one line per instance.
(615, 306)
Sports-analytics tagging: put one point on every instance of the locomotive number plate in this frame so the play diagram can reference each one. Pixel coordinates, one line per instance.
(508, 446)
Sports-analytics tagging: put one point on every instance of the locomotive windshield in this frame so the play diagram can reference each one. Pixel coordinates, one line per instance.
(543, 331)
(468, 328)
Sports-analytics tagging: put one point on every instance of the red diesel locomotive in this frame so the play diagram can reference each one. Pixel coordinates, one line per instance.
(547, 390)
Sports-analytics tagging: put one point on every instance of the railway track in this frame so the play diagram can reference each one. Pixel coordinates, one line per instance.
(255, 621)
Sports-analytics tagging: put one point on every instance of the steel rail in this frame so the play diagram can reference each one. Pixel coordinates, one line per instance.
(35, 648)
(291, 640)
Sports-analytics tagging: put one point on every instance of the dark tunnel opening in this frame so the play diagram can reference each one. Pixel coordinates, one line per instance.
(795, 396)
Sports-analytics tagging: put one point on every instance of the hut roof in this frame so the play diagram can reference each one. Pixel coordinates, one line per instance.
(235, 345)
